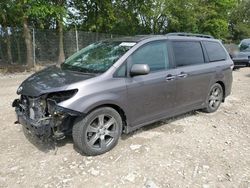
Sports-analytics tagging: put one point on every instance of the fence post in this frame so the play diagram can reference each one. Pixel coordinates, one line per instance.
(77, 45)
(34, 47)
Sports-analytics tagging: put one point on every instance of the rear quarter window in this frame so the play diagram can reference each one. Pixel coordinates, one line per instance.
(215, 51)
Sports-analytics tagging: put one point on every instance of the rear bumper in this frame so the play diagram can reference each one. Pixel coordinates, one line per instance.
(241, 62)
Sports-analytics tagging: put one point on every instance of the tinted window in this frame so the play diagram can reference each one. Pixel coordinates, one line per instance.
(187, 53)
(215, 51)
(154, 54)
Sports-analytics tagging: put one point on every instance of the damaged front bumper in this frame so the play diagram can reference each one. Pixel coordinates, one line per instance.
(42, 128)
(55, 124)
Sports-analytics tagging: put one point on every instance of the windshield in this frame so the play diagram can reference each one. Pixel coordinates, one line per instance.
(97, 57)
(245, 46)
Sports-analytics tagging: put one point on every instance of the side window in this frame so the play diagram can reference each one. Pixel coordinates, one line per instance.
(187, 53)
(215, 51)
(122, 71)
(154, 54)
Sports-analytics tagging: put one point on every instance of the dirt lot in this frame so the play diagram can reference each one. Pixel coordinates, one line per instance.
(192, 150)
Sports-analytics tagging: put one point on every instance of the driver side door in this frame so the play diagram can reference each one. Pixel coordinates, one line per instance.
(151, 96)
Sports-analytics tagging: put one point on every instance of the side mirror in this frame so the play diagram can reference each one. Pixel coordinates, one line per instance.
(139, 69)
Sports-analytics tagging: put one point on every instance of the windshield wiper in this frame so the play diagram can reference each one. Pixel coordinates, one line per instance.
(79, 69)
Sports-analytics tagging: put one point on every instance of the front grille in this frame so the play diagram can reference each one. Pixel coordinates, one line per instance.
(33, 108)
(24, 104)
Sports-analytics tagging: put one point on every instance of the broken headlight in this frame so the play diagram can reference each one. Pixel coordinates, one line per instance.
(62, 95)
(54, 98)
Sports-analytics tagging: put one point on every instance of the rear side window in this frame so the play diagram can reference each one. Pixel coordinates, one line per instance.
(215, 51)
(154, 54)
(187, 53)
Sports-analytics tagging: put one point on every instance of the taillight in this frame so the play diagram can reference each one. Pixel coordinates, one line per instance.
(232, 66)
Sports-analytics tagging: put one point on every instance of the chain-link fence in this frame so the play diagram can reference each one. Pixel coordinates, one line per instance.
(12, 47)
(45, 45)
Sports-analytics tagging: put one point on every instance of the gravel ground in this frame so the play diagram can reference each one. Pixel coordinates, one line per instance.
(191, 150)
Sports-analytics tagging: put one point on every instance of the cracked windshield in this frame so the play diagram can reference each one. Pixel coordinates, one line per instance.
(97, 57)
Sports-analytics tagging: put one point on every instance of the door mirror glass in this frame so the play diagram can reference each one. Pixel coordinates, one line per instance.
(139, 69)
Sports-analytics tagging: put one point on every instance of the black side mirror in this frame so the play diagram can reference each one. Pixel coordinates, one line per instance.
(139, 69)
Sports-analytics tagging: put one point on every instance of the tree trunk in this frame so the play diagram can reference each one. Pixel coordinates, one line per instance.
(61, 56)
(8, 45)
(28, 43)
(9, 54)
(19, 59)
(2, 59)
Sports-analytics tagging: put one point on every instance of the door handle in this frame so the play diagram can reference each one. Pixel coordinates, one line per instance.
(170, 77)
(182, 75)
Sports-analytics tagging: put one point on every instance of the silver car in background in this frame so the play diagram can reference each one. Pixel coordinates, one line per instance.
(242, 58)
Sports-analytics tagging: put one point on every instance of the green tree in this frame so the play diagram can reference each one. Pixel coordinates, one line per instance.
(27, 13)
(94, 15)
(222, 19)
(214, 17)
(240, 21)
(39, 10)
(183, 16)
(6, 20)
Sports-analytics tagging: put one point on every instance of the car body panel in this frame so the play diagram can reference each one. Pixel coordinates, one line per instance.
(102, 91)
(51, 79)
(192, 90)
(150, 96)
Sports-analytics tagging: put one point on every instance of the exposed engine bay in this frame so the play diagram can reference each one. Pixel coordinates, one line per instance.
(43, 116)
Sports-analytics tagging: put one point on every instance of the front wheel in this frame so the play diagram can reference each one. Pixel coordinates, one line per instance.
(214, 99)
(98, 132)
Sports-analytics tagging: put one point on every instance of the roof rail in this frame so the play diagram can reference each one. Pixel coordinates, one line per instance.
(190, 35)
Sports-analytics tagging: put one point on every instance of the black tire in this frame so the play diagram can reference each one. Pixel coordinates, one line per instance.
(214, 99)
(98, 132)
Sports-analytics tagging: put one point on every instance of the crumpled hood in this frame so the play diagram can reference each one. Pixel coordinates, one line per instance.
(51, 79)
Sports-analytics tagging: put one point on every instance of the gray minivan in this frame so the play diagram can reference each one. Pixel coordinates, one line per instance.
(119, 85)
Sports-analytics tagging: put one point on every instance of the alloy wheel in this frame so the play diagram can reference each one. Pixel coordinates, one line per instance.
(215, 97)
(101, 132)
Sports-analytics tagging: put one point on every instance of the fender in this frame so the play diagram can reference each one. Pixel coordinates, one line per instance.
(87, 103)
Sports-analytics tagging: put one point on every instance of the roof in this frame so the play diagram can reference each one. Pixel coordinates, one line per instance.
(245, 41)
(190, 35)
(138, 38)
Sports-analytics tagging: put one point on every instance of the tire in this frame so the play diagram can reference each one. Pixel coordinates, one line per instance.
(98, 132)
(214, 98)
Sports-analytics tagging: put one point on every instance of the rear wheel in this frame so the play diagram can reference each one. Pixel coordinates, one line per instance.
(214, 99)
(98, 132)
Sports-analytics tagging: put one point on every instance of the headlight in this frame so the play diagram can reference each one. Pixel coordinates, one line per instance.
(54, 98)
(19, 90)
(62, 95)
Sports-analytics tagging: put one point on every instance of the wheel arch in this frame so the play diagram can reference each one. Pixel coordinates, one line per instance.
(116, 107)
(223, 88)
